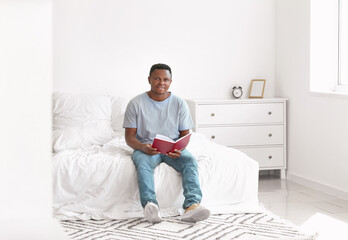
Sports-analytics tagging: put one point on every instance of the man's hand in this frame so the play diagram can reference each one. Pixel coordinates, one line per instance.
(149, 150)
(133, 142)
(176, 154)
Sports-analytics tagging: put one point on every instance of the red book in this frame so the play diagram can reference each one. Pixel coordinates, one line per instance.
(165, 145)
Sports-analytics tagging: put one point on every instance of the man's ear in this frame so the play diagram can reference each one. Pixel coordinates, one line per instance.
(149, 80)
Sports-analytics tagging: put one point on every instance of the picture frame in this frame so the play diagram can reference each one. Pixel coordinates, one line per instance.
(257, 88)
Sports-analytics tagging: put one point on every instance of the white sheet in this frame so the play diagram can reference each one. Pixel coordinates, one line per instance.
(100, 182)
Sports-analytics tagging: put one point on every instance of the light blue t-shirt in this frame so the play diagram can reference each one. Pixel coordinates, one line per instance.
(150, 117)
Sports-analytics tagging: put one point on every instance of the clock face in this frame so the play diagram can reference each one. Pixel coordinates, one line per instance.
(237, 92)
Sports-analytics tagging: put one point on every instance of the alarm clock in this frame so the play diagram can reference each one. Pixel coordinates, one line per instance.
(237, 92)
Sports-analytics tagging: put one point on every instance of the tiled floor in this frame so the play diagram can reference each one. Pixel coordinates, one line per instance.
(298, 203)
(305, 207)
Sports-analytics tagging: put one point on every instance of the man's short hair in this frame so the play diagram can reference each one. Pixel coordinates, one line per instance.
(160, 66)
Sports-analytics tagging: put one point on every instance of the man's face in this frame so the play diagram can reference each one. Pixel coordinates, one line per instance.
(160, 81)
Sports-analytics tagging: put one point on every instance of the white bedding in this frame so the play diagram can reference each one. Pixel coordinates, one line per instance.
(100, 182)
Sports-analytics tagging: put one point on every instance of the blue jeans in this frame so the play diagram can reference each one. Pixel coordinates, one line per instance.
(186, 165)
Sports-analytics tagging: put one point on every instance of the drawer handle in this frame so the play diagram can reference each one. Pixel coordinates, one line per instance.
(213, 137)
(269, 157)
(269, 113)
(270, 135)
(213, 114)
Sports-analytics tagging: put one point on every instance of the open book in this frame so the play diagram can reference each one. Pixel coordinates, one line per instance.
(165, 144)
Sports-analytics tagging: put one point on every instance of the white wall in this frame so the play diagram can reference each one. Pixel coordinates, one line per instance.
(25, 123)
(108, 46)
(317, 124)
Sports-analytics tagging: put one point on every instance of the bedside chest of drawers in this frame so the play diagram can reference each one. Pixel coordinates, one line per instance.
(256, 127)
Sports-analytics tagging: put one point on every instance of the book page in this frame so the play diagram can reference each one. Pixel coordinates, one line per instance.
(164, 138)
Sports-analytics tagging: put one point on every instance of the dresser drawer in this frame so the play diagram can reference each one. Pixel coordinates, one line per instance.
(268, 157)
(245, 135)
(246, 113)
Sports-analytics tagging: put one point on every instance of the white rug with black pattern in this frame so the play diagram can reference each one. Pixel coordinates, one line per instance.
(252, 226)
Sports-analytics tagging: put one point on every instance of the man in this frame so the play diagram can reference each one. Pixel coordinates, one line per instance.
(159, 111)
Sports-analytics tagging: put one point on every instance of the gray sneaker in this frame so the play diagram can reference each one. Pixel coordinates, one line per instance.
(195, 213)
(151, 213)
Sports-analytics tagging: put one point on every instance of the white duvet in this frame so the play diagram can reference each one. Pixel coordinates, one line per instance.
(100, 182)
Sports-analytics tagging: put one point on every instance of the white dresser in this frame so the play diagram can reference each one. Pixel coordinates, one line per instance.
(257, 127)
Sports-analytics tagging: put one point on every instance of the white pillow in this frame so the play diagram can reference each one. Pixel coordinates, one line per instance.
(81, 120)
(118, 109)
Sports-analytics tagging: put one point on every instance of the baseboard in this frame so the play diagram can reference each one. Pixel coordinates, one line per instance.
(317, 185)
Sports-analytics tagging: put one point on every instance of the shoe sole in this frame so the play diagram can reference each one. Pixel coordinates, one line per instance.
(196, 216)
(152, 214)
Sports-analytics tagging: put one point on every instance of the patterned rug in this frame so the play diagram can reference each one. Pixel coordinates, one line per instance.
(252, 226)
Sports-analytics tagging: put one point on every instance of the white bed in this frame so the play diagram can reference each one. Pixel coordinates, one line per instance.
(94, 176)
